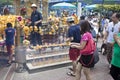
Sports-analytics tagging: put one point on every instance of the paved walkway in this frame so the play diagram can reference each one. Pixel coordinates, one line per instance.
(100, 72)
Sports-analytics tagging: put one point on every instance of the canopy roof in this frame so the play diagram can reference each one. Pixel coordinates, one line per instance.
(63, 6)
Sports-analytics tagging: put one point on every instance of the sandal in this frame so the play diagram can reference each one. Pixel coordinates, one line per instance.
(8, 64)
(70, 69)
(71, 74)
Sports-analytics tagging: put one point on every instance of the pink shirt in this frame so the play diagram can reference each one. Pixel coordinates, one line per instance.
(85, 36)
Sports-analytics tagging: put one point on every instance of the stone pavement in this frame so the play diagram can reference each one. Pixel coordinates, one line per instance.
(100, 72)
(3, 72)
(3, 68)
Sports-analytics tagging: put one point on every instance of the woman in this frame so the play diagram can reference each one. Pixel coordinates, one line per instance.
(85, 62)
(115, 63)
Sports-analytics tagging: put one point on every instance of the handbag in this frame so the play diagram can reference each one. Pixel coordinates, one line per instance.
(89, 48)
(96, 56)
(94, 59)
(83, 60)
(93, 32)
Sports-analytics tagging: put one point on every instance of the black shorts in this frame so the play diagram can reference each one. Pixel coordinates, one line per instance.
(87, 60)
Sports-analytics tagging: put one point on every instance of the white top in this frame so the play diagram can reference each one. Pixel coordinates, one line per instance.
(112, 29)
(95, 26)
(106, 22)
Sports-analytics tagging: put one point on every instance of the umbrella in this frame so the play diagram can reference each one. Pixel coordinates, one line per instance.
(91, 6)
(63, 6)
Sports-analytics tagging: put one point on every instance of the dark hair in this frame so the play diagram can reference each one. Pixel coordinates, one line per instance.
(85, 26)
(71, 22)
(118, 15)
(82, 17)
(9, 25)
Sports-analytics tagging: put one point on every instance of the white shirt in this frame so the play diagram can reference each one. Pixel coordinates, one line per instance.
(95, 26)
(112, 29)
(106, 22)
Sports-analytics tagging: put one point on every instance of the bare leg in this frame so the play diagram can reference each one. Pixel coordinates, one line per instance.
(87, 73)
(11, 54)
(74, 67)
(10, 58)
(78, 71)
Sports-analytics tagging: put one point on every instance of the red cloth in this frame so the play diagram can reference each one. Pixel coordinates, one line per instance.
(74, 53)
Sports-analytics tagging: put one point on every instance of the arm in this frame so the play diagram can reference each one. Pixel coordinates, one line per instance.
(69, 39)
(40, 19)
(106, 32)
(117, 39)
(81, 46)
(105, 36)
(73, 43)
(69, 35)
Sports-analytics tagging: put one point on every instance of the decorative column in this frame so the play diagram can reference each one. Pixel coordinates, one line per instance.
(45, 10)
(17, 12)
(17, 6)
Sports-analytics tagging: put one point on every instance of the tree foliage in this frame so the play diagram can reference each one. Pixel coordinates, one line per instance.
(6, 1)
(114, 7)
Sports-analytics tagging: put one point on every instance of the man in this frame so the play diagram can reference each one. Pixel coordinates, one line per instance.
(73, 36)
(10, 36)
(113, 27)
(36, 20)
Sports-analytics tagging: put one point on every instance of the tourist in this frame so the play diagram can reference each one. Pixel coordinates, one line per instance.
(115, 63)
(10, 39)
(113, 27)
(74, 37)
(85, 61)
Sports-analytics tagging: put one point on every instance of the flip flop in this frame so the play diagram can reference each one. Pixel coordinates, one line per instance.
(71, 74)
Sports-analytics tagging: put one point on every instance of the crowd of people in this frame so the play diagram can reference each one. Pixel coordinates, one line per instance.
(81, 37)
(108, 31)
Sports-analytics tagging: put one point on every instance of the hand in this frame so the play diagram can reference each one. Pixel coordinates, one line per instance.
(104, 41)
(73, 46)
(115, 35)
(36, 22)
(73, 43)
(29, 23)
